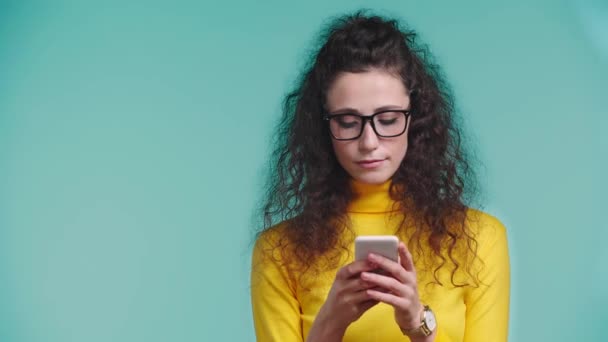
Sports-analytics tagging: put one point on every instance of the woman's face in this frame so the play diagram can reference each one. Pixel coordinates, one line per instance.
(369, 158)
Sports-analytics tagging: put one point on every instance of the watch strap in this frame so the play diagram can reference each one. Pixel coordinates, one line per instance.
(423, 329)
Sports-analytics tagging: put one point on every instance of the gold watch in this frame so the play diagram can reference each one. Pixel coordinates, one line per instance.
(428, 324)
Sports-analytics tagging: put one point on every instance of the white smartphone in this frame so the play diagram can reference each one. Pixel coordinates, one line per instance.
(385, 245)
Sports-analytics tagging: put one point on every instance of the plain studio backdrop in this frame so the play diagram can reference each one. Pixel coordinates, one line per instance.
(134, 137)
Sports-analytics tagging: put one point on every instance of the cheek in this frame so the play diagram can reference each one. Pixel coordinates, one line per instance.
(399, 149)
(341, 151)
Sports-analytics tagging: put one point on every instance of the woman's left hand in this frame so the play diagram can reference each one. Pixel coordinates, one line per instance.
(400, 285)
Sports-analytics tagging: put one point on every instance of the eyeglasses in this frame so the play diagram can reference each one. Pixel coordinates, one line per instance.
(387, 124)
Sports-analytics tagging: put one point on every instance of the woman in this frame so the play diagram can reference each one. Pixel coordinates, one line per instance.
(368, 146)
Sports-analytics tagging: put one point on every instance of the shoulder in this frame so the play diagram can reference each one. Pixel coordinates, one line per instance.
(485, 228)
(273, 236)
(272, 260)
(491, 242)
(271, 243)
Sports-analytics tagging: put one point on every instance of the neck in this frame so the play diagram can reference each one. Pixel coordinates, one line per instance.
(371, 198)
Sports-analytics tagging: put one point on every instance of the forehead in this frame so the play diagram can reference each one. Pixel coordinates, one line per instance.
(366, 91)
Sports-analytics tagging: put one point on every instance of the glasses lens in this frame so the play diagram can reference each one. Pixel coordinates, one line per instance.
(345, 126)
(390, 123)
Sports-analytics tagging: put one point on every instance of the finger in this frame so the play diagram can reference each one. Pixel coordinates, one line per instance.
(388, 283)
(406, 258)
(356, 298)
(393, 268)
(357, 284)
(378, 288)
(389, 298)
(354, 268)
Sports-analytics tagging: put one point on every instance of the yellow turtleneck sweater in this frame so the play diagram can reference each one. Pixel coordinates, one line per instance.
(285, 305)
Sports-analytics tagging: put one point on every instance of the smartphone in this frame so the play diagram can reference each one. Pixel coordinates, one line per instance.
(385, 245)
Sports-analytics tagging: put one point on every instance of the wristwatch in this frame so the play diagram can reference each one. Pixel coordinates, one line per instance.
(428, 324)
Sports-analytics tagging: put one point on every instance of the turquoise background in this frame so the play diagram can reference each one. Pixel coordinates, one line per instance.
(134, 136)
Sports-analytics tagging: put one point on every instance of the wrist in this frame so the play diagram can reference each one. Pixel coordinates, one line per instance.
(424, 329)
(324, 329)
(414, 323)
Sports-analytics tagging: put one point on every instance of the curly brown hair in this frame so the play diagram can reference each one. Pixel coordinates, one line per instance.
(309, 189)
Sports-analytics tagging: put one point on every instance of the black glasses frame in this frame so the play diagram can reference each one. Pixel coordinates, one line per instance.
(369, 118)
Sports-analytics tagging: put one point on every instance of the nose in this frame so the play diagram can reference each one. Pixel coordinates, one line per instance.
(368, 141)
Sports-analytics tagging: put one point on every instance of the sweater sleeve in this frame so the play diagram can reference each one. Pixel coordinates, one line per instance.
(276, 310)
(487, 306)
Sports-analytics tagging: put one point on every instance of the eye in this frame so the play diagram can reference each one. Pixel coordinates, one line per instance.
(345, 124)
(347, 121)
(389, 118)
(387, 122)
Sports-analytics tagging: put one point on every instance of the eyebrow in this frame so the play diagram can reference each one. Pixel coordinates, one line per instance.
(353, 110)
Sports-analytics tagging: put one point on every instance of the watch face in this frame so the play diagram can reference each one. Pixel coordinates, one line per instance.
(429, 318)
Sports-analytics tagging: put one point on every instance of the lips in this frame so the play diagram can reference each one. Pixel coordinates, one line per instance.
(370, 163)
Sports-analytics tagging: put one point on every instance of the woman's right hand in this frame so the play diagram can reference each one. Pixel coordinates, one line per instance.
(346, 302)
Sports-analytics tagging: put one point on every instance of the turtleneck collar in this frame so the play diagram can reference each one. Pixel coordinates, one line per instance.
(371, 198)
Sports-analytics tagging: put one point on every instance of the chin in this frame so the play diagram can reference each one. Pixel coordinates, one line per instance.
(372, 178)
